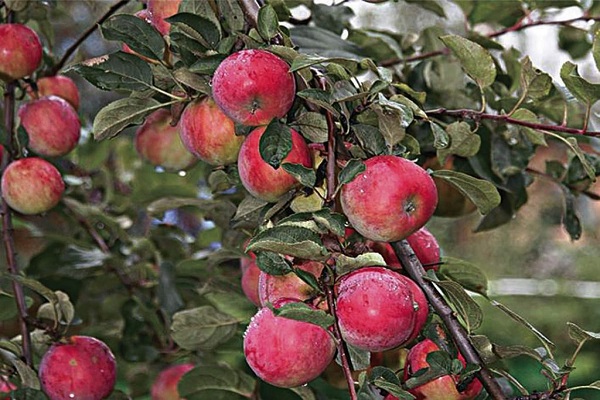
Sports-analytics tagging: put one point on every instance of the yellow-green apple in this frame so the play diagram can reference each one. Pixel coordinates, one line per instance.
(52, 126)
(377, 308)
(209, 134)
(253, 87)
(274, 287)
(159, 143)
(81, 367)
(250, 276)
(20, 51)
(32, 185)
(165, 384)
(58, 85)
(442, 388)
(391, 199)
(161, 10)
(285, 352)
(261, 179)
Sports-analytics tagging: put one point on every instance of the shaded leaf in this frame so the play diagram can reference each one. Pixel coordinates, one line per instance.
(291, 240)
(582, 89)
(272, 263)
(542, 338)
(202, 328)
(345, 264)
(201, 381)
(275, 143)
(475, 60)
(351, 171)
(463, 142)
(441, 139)
(536, 83)
(580, 335)
(303, 312)
(29, 378)
(320, 98)
(139, 35)
(306, 176)
(570, 219)
(468, 275)
(481, 192)
(199, 27)
(231, 303)
(120, 114)
(467, 308)
(233, 14)
(268, 24)
(312, 126)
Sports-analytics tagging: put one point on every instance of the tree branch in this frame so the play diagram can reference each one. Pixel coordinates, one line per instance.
(250, 8)
(479, 115)
(415, 271)
(114, 8)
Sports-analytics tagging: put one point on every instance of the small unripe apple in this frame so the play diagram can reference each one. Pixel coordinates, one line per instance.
(285, 352)
(159, 143)
(391, 199)
(82, 367)
(261, 179)
(161, 10)
(52, 126)
(250, 277)
(209, 134)
(442, 388)
(253, 87)
(61, 86)
(376, 308)
(20, 51)
(274, 287)
(165, 384)
(32, 185)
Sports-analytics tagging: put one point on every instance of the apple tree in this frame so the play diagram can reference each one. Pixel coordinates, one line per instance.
(244, 212)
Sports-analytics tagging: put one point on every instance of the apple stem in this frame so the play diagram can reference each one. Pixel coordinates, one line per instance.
(415, 271)
(7, 225)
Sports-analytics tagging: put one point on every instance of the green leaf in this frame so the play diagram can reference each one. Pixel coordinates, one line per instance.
(536, 83)
(359, 359)
(198, 27)
(536, 137)
(190, 79)
(62, 311)
(231, 303)
(308, 60)
(596, 49)
(303, 312)
(467, 308)
(272, 263)
(233, 14)
(120, 114)
(468, 275)
(312, 126)
(202, 328)
(306, 176)
(345, 264)
(116, 71)
(583, 90)
(580, 335)
(29, 378)
(37, 287)
(463, 142)
(393, 119)
(332, 221)
(268, 24)
(432, 6)
(541, 337)
(441, 139)
(314, 40)
(139, 35)
(207, 65)
(570, 219)
(201, 381)
(370, 139)
(480, 191)
(291, 240)
(8, 306)
(475, 60)
(319, 98)
(352, 169)
(275, 143)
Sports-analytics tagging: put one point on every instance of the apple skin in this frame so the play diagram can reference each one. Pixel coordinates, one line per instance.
(61, 86)
(376, 309)
(426, 248)
(209, 134)
(165, 384)
(250, 278)
(82, 368)
(285, 352)
(391, 199)
(159, 143)
(442, 388)
(6, 387)
(262, 180)
(274, 287)
(52, 126)
(20, 51)
(32, 185)
(161, 10)
(253, 87)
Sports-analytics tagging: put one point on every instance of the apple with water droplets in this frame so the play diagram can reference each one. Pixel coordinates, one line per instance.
(274, 287)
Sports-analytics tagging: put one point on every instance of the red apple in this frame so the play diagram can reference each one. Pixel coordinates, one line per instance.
(442, 388)
(209, 134)
(82, 367)
(253, 87)
(377, 308)
(20, 51)
(6, 386)
(426, 248)
(421, 306)
(285, 352)
(250, 277)
(52, 126)
(391, 199)
(61, 86)
(32, 185)
(165, 384)
(159, 143)
(274, 287)
(161, 10)
(262, 180)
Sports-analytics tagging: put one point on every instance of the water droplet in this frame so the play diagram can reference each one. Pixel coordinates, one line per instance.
(513, 141)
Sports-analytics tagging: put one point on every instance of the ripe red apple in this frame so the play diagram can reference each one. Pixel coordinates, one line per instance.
(262, 180)
(422, 308)
(209, 134)
(285, 352)
(159, 143)
(6, 386)
(442, 388)
(378, 309)
(61, 86)
(391, 199)
(52, 126)
(426, 248)
(20, 51)
(82, 367)
(274, 287)
(250, 276)
(165, 384)
(32, 185)
(253, 87)
(161, 10)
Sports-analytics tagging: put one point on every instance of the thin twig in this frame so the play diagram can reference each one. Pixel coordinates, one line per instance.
(415, 270)
(250, 8)
(114, 8)
(331, 163)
